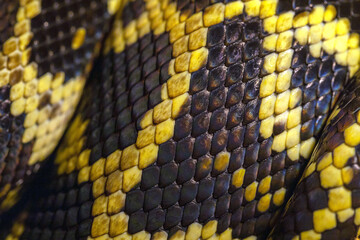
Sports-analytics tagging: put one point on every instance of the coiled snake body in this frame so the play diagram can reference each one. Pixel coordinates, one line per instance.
(198, 120)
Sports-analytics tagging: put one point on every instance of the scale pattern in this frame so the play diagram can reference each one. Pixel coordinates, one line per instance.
(8, 19)
(325, 203)
(54, 29)
(197, 122)
(38, 102)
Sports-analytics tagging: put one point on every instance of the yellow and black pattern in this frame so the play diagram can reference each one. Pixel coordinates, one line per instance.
(325, 204)
(8, 19)
(198, 120)
(46, 50)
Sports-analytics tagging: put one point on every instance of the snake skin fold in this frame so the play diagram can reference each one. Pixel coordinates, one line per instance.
(198, 120)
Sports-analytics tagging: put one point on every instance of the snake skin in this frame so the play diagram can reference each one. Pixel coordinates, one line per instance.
(42, 67)
(323, 200)
(199, 120)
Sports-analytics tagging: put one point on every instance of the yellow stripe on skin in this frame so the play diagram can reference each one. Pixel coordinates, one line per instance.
(318, 29)
(279, 104)
(114, 5)
(333, 36)
(158, 123)
(335, 173)
(278, 197)
(49, 130)
(335, 33)
(26, 94)
(17, 228)
(198, 231)
(13, 60)
(311, 234)
(11, 198)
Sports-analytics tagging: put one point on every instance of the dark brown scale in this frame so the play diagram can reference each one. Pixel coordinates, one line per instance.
(216, 77)
(134, 201)
(171, 195)
(202, 145)
(217, 99)
(222, 205)
(217, 120)
(188, 192)
(235, 138)
(155, 97)
(216, 56)
(150, 177)
(235, 94)
(278, 162)
(221, 185)
(247, 228)
(251, 154)
(156, 219)
(251, 133)
(16, 76)
(219, 141)
(186, 171)
(354, 184)
(152, 198)
(184, 149)
(203, 167)
(251, 173)
(317, 199)
(235, 116)
(183, 128)
(234, 74)
(166, 152)
(251, 111)
(132, 11)
(137, 222)
(57, 36)
(173, 216)
(191, 213)
(207, 210)
(168, 174)
(199, 81)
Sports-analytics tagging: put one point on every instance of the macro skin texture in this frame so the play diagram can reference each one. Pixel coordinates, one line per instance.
(326, 198)
(46, 51)
(198, 120)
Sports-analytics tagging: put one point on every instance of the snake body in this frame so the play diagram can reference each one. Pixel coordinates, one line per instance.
(46, 51)
(198, 120)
